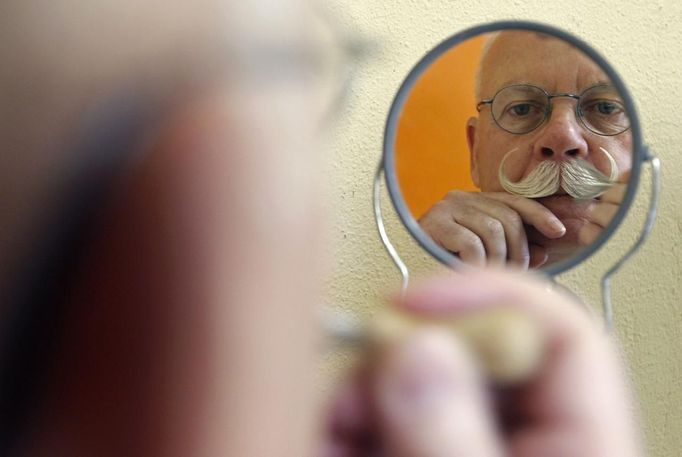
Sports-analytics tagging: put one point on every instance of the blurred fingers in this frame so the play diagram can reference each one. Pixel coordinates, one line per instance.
(431, 401)
(578, 391)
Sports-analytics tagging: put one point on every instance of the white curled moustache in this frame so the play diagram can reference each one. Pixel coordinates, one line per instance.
(578, 177)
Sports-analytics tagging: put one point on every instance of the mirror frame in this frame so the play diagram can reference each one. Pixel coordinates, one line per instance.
(391, 129)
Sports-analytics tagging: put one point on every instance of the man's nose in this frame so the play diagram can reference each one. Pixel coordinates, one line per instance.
(562, 137)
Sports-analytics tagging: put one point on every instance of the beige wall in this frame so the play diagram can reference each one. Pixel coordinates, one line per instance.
(643, 40)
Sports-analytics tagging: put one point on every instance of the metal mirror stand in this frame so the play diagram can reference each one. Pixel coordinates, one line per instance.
(607, 306)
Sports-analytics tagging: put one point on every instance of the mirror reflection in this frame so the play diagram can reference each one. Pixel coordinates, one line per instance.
(514, 148)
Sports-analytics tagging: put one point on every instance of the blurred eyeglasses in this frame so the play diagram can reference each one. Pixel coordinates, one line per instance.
(326, 63)
(522, 108)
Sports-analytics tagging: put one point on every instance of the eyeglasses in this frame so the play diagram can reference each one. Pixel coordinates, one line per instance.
(522, 108)
(325, 64)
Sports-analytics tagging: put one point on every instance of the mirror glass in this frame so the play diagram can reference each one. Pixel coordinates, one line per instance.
(512, 146)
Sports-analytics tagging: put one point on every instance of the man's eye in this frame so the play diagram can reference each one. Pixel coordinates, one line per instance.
(522, 109)
(604, 107)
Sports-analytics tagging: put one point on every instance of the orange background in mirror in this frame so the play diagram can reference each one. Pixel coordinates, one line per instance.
(432, 157)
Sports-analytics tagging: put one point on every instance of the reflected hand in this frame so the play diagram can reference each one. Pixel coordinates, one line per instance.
(602, 212)
(425, 396)
(487, 228)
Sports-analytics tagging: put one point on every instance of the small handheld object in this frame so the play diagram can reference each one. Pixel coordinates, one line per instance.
(508, 345)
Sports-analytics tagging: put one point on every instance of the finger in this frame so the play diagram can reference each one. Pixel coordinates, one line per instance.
(579, 388)
(514, 231)
(431, 401)
(469, 246)
(553, 442)
(538, 256)
(489, 230)
(533, 213)
(349, 415)
(470, 291)
(511, 244)
(455, 238)
(351, 429)
(340, 449)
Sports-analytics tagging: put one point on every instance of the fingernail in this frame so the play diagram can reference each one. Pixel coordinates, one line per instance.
(557, 226)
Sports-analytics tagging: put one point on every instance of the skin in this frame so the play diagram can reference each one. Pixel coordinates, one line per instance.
(190, 328)
(493, 227)
(426, 397)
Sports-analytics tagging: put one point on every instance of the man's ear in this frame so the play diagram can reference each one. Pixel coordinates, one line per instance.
(471, 139)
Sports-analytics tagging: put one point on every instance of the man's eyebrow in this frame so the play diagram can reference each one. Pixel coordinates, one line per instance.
(599, 82)
(589, 83)
(517, 82)
(524, 82)
(511, 82)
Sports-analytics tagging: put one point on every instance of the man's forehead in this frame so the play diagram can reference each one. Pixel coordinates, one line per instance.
(522, 57)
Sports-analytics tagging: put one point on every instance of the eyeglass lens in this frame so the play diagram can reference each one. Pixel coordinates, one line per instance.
(522, 108)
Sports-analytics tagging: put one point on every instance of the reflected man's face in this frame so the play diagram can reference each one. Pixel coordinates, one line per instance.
(557, 67)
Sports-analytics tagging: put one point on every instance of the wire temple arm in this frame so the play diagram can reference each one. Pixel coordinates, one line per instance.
(382, 229)
(646, 230)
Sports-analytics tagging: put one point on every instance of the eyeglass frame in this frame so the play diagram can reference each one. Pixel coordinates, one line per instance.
(548, 108)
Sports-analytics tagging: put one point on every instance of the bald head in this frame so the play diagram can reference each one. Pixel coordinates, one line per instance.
(503, 51)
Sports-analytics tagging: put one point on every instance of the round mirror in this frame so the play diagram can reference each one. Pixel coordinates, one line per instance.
(512, 143)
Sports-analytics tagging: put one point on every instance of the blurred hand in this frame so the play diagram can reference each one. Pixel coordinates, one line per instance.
(425, 396)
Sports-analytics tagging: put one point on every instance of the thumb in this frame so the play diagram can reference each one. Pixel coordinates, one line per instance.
(431, 400)
(538, 256)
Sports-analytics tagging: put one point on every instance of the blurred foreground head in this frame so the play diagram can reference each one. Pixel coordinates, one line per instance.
(64, 62)
(178, 321)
